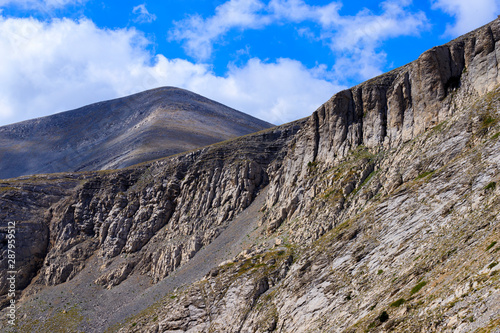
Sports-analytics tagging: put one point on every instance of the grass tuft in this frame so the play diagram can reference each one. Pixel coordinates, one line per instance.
(490, 186)
(397, 303)
(417, 288)
(425, 174)
(383, 317)
(491, 245)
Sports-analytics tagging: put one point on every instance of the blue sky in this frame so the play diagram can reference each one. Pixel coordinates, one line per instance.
(277, 60)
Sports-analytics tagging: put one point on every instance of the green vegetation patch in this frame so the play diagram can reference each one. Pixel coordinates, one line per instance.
(490, 186)
(312, 167)
(370, 176)
(383, 317)
(8, 188)
(425, 174)
(488, 121)
(439, 127)
(493, 264)
(312, 164)
(417, 288)
(262, 261)
(397, 303)
(491, 245)
(61, 321)
(324, 242)
(334, 195)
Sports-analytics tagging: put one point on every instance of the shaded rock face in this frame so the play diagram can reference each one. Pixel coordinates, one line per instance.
(382, 208)
(163, 212)
(28, 205)
(119, 133)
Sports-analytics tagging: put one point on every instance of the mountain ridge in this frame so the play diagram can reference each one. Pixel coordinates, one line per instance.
(120, 132)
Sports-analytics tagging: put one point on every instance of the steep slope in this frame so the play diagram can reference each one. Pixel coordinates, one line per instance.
(119, 133)
(382, 208)
(157, 216)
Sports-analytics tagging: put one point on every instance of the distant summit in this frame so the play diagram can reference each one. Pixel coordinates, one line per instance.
(119, 133)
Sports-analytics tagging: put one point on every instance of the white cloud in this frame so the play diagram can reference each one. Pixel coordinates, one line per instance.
(358, 38)
(143, 15)
(469, 14)
(49, 67)
(299, 11)
(352, 38)
(46, 67)
(40, 4)
(199, 34)
(277, 92)
(366, 28)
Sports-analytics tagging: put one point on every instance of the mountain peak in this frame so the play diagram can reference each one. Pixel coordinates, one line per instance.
(120, 132)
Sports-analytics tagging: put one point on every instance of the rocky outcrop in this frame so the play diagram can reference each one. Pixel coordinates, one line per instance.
(224, 302)
(382, 114)
(400, 239)
(27, 205)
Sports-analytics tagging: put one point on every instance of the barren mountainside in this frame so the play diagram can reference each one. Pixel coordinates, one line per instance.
(377, 213)
(119, 133)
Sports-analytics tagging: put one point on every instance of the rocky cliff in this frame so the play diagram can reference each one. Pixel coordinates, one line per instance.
(377, 213)
(385, 114)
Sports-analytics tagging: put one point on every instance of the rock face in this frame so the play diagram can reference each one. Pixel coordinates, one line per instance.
(380, 213)
(383, 114)
(119, 133)
(163, 212)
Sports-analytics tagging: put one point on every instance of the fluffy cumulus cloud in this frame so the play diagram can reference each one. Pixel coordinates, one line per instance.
(354, 39)
(199, 33)
(277, 92)
(298, 11)
(48, 67)
(358, 38)
(59, 65)
(468, 14)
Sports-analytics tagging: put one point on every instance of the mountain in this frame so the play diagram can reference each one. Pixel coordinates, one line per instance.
(378, 213)
(119, 133)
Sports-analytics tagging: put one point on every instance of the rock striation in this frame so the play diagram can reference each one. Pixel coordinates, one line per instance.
(379, 213)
